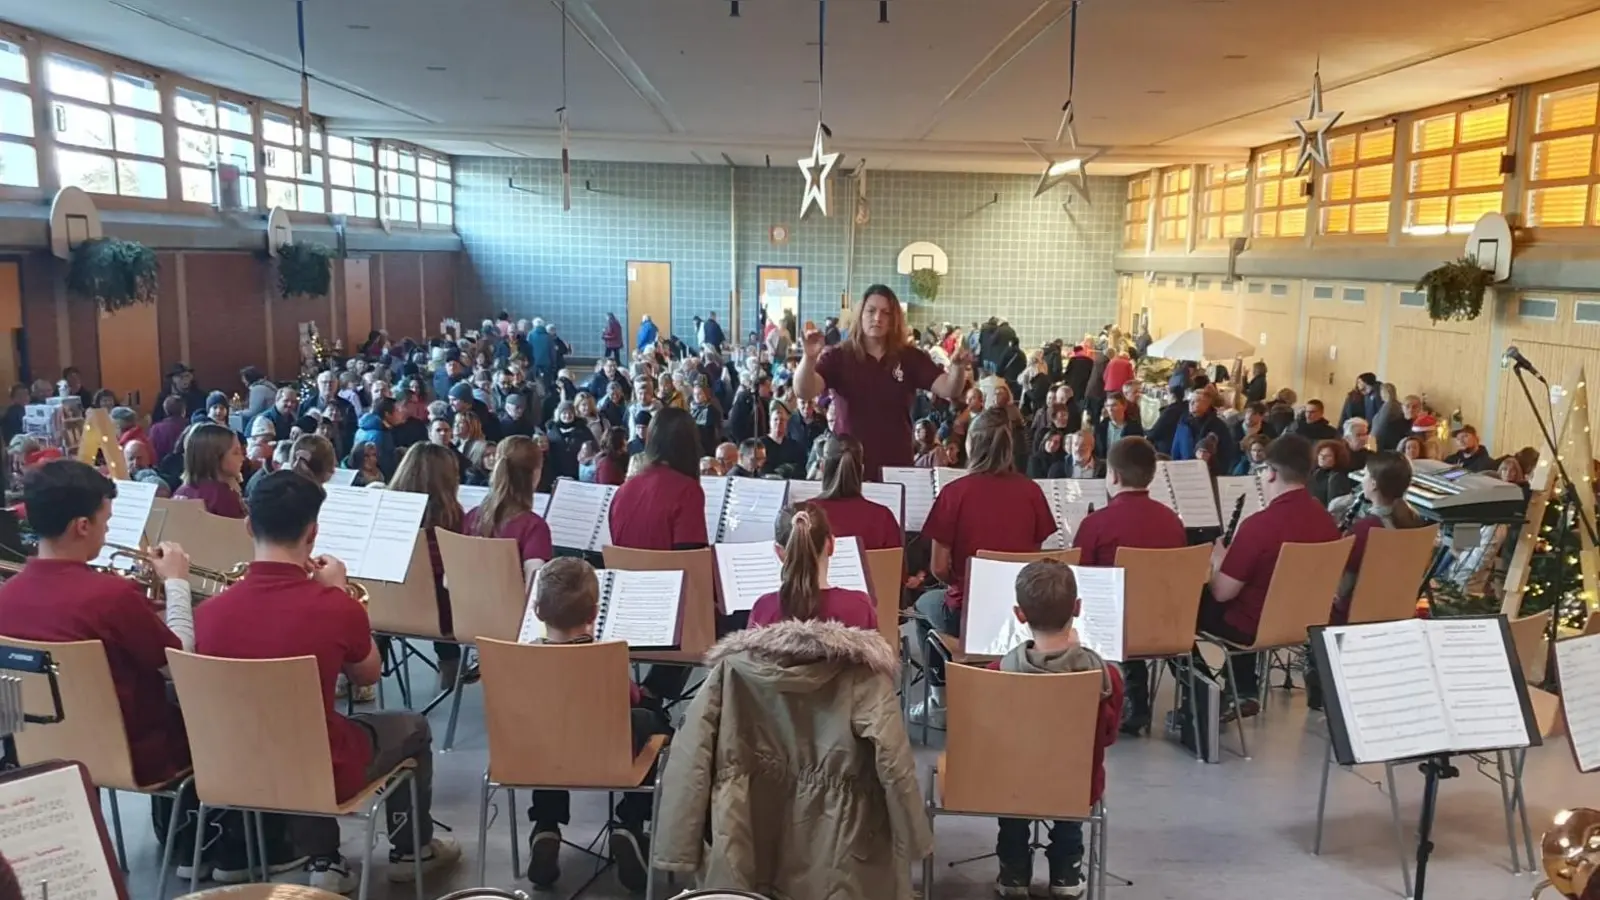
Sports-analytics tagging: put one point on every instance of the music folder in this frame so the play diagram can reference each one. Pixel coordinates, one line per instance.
(922, 487)
(891, 496)
(1232, 487)
(1070, 500)
(371, 532)
(130, 511)
(740, 510)
(1578, 672)
(642, 609)
(579, 514)
(53, 836)
(746, 572)
(1422, 687)
(990, 626)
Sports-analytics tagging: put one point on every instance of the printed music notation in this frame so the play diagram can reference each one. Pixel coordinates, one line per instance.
(922, 486)
(640, 608)
(890, 496)
(992, 628)
(49, 835)
(1578, 668)
(747, 571)
(471, 496)
(579, 514)
(750, 512)
(372, 532)
(1070, 500)
(1231, 487)
(130, 511)
(1184, 486)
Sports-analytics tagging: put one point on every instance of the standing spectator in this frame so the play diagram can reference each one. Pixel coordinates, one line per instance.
(1364, 400)
(713, 333)
(647, 333)
(1255, 387)
(180, 383)
(75, 388)
(611, 337)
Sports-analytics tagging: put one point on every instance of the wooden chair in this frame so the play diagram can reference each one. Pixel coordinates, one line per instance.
(886, 573)
(697, 621)
(1531, 636)
(1398, 559)
(573, 733)
(990, 767)
(1162, 590)
(92, 732)
(215, 542)
(407, 612)
(487, 598)
(1070, 555)
(259, 737)
(1302, 587)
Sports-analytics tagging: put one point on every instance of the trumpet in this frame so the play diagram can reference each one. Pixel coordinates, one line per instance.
(143, 570)
(358, 592)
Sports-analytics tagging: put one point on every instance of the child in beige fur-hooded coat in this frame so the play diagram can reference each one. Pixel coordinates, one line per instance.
(795, 751)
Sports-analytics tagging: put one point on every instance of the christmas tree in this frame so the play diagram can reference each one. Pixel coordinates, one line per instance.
(1555, 576)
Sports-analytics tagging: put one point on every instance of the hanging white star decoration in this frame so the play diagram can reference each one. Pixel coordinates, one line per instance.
(1064, 161)
(816, 168)
(1314, 129)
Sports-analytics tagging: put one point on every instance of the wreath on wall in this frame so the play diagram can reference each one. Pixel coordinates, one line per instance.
(114, 273)
(1455, 290)
(304, 269)
(925, 284)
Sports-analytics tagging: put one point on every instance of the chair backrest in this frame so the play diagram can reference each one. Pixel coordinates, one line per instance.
(258, 733)
(1069, 556)
(92, 731)
(1397, 559)
(1530, 635)
(886, 573)
(995, 765)
(1301, 592)
(573, 729)
(1163, 589)
(408, 608)
(484, 575)
(215, 542)
(698, 619)
(153, 527)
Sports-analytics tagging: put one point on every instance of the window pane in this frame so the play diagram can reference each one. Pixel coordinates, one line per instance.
(281, 193)
(1266, 224)
(1292, 223)
(16, 113)
(13, 64)
(408, 186)
(1427, 216)
(1267, 194)
(366, 178)
(1335, 220)
(447, 216)
(316, 168)
(389, 159)
(136, 134)
(341, 172)
(363, 150)
(278, 161)
(1466, 210)
(277, 129)
(196, 146)
(1370, 218)
(237, 152)
(1233, 198)
(135, 93)
(194, 107)
(1479, 168)
(1375, 181)
(1562, 207)
(138, 178)
(75, 78)
(1342, 151)
(84, 126)
(19, 165)
(340, 147)
(1436, 133)
(196, 185)
(235, 117)
(1568, 157)
(367, 206)
(426, 168)
(444, 171)
(1571, 108)
(425, 192)
(311, 199)
(431, 217)
(1487, 124)
(1337, 186)
(1377, 145)
(444, 191)
(342, 203)
(1431, 174)
(408, 161)
(1269, 163)
(89, 171)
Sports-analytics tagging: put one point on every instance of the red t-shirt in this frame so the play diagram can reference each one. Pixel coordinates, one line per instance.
(834, 604)
(609, 471)
(874, 398)
(1118, 372)
(1131, 519)
(220, 499)
(277, 611)
(60, 600)
(659, 509)
(1294, 517)
(982, 511)
(527, 529)
(871, 524)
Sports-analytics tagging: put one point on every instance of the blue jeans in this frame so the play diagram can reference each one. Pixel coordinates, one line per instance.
(933, 613)
(1065, 847)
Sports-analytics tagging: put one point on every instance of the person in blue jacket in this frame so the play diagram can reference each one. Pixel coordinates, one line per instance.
(376, 427)
(1199, 420)
(542, 353)
(647, 333)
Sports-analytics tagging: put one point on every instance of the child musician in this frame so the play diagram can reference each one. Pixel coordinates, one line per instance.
(805, 544)
(508, 511)
(212, 464)
(849, 513)
(567, 601)
(1047, 602)
(432, 469)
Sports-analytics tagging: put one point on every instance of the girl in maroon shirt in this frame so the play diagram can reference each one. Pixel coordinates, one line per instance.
(432, 469)
(663, 507)
(508, 510)
(612, 466)
(850, 514)
(212, 464)
(805, 544)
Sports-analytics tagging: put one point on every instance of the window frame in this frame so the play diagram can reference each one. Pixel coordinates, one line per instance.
(1394, 160)
(1173, 205)
(1289, 152)
(1529, 136)
(1138, 210)
(1208, 191)
(1510, 144)
(110, 66)
(42, 140)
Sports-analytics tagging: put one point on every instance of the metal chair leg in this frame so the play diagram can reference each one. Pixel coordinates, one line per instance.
(1507, 804)
(1400, 845)
(1238, 718)
(1322, 798)
(416, 835)
(516, 846)
(261, 847)
(1519, 757)
(1194, 710)
(247, 821)
(368, 848)
(199, 842)
(167, 851)
(927, 861)
(655, 817)
(455, 702)
(116, 828)
(483, 829)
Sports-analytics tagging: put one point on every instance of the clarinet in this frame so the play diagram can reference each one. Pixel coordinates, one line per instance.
(1357, 507)
(1233, 521)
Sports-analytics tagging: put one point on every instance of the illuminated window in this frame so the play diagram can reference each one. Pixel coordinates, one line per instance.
(1222, 202)
(352, 178)
(109, 135)
(434, 190)
(1563, 171)
(1136, 230)
(397, 174)
(1280, 195)
(19, 156)
(1355, 190)
(214, 132)
(1454, 175)
(1177, 193)
(294, 176)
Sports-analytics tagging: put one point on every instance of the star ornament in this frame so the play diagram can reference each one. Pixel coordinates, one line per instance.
(816, 168)
(1314, 129)
(1067, 164)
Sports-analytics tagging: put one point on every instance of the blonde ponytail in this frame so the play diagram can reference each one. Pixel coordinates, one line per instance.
(803, 531)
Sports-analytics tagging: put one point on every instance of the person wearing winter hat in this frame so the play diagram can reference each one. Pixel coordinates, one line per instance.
(463, 399)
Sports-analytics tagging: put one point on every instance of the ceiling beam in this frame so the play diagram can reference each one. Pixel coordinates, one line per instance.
(1030, 29)
(598, 35)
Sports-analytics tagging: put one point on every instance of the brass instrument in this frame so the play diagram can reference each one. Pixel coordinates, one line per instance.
(1571, 855)
(143, 570)
(1233, 521)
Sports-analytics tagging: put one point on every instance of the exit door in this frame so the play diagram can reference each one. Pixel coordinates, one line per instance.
(649, 294)
(779, 298)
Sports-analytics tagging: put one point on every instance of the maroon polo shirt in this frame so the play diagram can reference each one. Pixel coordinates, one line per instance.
(275, 612)
(871, 524)
(1130, 519)
(835, 604)
(874, 396)
(659, 509)
(983, 511)
(220, 499)
(530, 532)
(1291, 518)
(60, 601)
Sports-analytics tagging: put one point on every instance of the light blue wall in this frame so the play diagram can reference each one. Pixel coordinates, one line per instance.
(1047, 270)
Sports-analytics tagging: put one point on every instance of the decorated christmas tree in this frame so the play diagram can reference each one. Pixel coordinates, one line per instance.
(1555, 576)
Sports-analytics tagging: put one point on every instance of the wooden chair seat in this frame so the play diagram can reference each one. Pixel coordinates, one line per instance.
(364, 799)
(952, 645)
(1070, 555)
(263, 891)
(158, 786)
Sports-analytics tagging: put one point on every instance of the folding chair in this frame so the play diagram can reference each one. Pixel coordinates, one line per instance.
(487, 599)
(92, 732)
(886, 574)
(697, 622)
(573, 733)
(407, 612)
(259, 737)
(1162, 590)
(1398, 559)
(990, 767)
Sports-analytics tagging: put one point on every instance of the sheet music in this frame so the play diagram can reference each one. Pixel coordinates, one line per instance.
(716, 491)
(1480, 694)
(541, 504)
(892, 496)
(1070, 499)
(130, 512)
(992, 628)
(1103, 599)
(48, 834)
(532, 630)
(471, 496)
(847, 566)
(1578, 665)
(642, 607)
(1392, 706)
(344, 477)
(746, 572)
(579, 515)
(943, 475)
(752, 510)
(394, 535)
(1230, 488)
(1192, 497)
(344, 526)
(801, 491)
(918, 484)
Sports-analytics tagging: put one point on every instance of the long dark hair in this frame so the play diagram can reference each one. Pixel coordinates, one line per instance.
(804, 533)
(842, 457)
(899, 336)
(674, 442)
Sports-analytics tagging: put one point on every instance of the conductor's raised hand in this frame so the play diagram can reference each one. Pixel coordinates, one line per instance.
(812, 341)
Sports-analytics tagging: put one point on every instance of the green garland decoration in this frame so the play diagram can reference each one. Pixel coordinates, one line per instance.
(114, 273)
(1455, 290)
(304, 269)
(925, 284)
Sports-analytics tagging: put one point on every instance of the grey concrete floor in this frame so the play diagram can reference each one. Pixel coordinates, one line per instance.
(1179, 829)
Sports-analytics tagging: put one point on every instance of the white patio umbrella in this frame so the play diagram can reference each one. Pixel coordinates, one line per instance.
(1201, 344)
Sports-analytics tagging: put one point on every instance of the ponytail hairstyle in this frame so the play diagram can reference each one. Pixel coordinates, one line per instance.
(989, 443)
(313, 457)
(841, 467)
(804, 534)
(511, 484)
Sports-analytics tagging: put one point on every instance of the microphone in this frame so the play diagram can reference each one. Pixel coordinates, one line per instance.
(1513, 357)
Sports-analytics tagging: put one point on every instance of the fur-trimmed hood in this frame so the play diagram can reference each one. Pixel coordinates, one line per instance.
(796, 644)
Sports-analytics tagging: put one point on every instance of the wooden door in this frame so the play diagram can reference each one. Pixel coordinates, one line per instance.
(649, 294)
(130, 354)
(1337, 350)
(1273, 333)
(778, 293)
(357, 301)
(10, 321)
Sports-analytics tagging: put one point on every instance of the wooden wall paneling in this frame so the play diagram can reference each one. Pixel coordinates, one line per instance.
(1341, 341)
(1556, 348)
(129, 359)
(83, 325)
(169, 312)
(1272, 323)
(439, 292)
(227, 318)
(10, 320)
(1210, 307)
(402, 296)
(1447, 362)
(40, 323)
(1169, 307)
(287, 314)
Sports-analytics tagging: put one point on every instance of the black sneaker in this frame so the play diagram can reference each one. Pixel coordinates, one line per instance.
(1015, 879)
(630, 850)
(1068, 882)
(544, 859)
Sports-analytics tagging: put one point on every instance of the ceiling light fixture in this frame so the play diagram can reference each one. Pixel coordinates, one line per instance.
(733, 9)
(359, 27)
(1234, 56)
(437, 68)
(883, 12)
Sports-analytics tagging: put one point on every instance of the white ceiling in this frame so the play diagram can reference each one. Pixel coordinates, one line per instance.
(946, 85)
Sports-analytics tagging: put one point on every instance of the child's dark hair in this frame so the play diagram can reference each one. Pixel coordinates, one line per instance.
(1047, 594)
(804, 533)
